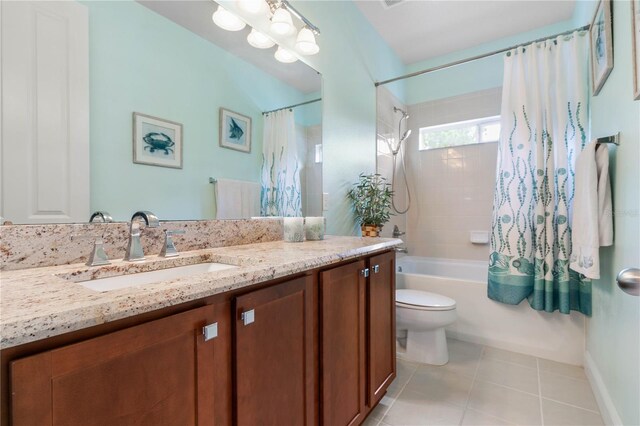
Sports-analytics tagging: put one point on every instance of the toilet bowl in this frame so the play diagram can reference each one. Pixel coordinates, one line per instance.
(424, 316)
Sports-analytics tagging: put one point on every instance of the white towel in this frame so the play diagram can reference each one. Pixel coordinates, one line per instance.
(236, 199)
(592, 223)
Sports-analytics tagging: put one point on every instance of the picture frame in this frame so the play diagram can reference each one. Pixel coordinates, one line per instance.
(156, 141)
(635, 46)
(601, 36)
(234, 131)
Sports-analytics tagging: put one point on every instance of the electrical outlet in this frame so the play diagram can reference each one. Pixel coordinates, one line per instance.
(325, 201)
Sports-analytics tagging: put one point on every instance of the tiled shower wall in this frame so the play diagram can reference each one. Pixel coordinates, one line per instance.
(452, 188)
(387, 131)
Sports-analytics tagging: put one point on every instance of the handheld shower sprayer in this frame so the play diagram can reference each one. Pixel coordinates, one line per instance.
(398, 150)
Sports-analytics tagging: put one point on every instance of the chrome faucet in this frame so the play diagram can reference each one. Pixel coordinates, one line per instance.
(139, 220)
(101, 216)
(396, 232)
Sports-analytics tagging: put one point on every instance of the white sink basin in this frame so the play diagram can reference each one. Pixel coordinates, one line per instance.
(142, 278)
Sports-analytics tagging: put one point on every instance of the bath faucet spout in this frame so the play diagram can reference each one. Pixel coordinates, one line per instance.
(138, 221)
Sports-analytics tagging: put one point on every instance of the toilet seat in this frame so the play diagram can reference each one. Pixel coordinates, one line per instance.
(424, 300)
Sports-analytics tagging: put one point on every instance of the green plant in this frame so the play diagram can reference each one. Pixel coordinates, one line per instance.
(371, 198)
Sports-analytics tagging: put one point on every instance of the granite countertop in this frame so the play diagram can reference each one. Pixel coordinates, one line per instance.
(44, 302)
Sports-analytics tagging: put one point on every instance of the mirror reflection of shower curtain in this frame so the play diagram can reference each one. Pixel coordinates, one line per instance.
(281, 189)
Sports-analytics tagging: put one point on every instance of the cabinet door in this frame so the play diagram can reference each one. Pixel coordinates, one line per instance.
(381, 325)
(274, 355)
(342, 344)
(158, 373)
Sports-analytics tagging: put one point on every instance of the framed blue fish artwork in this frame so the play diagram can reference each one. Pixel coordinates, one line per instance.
(601, 34)
(235, 130)
(156, 141)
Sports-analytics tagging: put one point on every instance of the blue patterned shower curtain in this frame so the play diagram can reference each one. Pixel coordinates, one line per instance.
(544, 128)
(281, 189)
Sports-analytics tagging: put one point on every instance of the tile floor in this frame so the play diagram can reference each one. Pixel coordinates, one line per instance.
(482, 385)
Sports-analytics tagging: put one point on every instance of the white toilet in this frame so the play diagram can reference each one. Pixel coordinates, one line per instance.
(424, 316)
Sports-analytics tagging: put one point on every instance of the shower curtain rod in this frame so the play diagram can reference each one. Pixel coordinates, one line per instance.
(474, 58)
(293, 106)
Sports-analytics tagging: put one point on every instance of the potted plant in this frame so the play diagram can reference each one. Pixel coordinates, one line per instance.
(371, 198)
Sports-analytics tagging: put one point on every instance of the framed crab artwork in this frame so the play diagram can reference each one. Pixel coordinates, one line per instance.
(235, 130)
(156, 142)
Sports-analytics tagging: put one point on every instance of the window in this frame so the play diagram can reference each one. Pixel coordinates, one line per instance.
(480, 130)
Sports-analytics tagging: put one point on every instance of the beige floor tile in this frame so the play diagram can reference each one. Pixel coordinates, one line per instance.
(508, 356)
(463, 357)
(565, 389)
(465, 347)
(370, 421)
(476, 418)
(509, 404)
(440, 385)
(412, 408)
(381, 409)
(508, 374)
(555, 413)
(404, 371)
(562, 369)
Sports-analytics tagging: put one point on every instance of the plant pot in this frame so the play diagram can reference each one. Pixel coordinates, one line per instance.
(370, 230)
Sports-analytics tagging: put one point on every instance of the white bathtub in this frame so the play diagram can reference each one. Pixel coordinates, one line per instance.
(481, 320)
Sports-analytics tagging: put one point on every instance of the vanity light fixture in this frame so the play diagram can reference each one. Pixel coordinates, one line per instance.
(281, 22)
(306, 42)
(253, 7)
(283, 55)
(259, 40)
(227, 20)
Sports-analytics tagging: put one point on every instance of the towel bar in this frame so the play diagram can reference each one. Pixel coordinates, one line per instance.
(614, 139)
(213, 180)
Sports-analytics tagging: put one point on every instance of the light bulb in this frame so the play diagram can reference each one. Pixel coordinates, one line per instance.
(306, 42)
(252, 6)
(283, 55)
(227, 20)
(281, 22)
(259, 40)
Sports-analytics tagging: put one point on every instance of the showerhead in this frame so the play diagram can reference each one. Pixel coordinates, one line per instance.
(404, 113)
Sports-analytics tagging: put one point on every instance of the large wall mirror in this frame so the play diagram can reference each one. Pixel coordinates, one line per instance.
(74, 74)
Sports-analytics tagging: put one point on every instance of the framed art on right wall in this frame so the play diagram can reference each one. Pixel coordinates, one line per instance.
(635, 46)
(601, 35)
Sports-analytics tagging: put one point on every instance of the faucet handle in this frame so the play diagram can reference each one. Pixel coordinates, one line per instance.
(98, 256)
(169, 248)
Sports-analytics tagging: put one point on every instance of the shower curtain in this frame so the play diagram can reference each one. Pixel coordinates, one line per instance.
(544, 128)
(281, 190)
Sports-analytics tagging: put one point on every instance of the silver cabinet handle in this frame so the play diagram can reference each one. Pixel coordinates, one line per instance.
(248, 317)
(210, 331)
(376, 269)
(365, 272)
(629, 281)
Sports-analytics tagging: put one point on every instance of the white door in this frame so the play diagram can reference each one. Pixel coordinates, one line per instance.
(45, 112)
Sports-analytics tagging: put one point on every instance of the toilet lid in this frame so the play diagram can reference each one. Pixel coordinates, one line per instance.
(417, 299)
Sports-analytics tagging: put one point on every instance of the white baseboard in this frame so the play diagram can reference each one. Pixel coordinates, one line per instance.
(531, 350)
(605, 403)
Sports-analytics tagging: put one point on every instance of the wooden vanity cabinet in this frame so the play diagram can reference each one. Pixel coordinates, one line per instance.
(274, 355)
(160, 372)
(357, 345)
(314, 349)
(381, 325)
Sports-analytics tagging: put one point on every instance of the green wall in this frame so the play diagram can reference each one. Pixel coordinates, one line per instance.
(140, 61)
(473, 76)
(613, 339)
(352, 57)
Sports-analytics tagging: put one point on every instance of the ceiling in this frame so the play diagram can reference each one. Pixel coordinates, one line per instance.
(195, 16)
(422, 29)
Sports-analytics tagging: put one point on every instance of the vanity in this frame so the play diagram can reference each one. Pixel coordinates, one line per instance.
(289, 334)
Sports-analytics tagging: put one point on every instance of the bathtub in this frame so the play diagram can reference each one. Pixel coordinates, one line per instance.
(481, 320)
